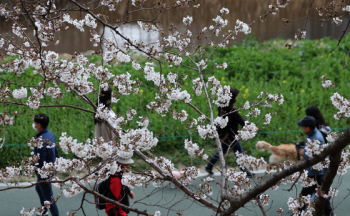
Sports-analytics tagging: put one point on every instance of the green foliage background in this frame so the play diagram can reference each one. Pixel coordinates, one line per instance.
(255, 67)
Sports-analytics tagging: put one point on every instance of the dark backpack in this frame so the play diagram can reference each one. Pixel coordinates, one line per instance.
(104, 189)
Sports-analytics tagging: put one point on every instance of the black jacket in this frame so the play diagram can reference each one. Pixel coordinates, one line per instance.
(228, 133)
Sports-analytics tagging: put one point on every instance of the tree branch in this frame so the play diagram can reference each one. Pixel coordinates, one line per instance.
(58, 105)
(340, 143)
(263, 210)
(328, 180)
(347, 26)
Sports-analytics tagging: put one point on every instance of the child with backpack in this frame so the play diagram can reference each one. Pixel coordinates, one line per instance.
(113, 189)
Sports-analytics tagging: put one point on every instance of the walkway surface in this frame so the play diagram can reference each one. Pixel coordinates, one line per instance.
(12, 201)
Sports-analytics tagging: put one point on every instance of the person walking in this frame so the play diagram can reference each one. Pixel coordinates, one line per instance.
(47, 153)
(101, 129)
(118, 191)
(308, 125)
(321, 124)
(227, 135)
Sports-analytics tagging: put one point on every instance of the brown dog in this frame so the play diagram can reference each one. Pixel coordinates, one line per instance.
(280, 153)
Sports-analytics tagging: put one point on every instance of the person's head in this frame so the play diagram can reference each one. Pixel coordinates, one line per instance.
(308, 124)
(315, 112)
(124, 162)
(234, 93)
(233, 100)
(105, 97)
(41, 121)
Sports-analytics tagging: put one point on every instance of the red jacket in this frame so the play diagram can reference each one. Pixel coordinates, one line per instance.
(115, 188)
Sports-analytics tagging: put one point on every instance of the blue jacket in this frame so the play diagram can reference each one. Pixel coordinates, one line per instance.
(46, 154)
(315, 134)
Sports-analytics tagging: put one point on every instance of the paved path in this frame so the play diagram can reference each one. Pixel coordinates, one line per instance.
(12, 201)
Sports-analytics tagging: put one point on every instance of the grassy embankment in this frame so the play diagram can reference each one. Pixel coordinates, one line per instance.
(266, 66)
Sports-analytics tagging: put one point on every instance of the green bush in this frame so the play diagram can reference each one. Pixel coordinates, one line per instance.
(255, 67)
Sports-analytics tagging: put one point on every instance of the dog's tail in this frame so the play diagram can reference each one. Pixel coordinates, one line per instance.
(261, 145)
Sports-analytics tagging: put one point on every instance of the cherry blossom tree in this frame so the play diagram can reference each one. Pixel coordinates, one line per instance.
(35, 26)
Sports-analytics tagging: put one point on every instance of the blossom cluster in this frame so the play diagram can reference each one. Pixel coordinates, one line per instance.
(20, 93)
(7, 174)
(141, 138)
(331, 193)
(248, 131)
(220, 23)
(207, 131)
(343, 166)
(182, 116)
(124, 84)
(130, 114)
(331, 137)
(221, 121)
(187, 20)
(197, 86)
(342, 104)
(6, 119)
(249, 162)
(89, 21)
(189, 174)
(131, 180)
(205, 190)
(222, 95)
(239, 181)
(148, 27)
(300, 35)
(193, 148)
(313, 147)
(295, 204)
(242, 27)
(264, 199)
(326, 83)
(254, 112)
(73, 190)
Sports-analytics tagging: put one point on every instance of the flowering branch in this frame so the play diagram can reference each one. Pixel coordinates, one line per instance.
(340, 143)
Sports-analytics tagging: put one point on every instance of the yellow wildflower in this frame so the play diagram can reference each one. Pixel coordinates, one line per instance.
(141, 91)
(284, 81)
